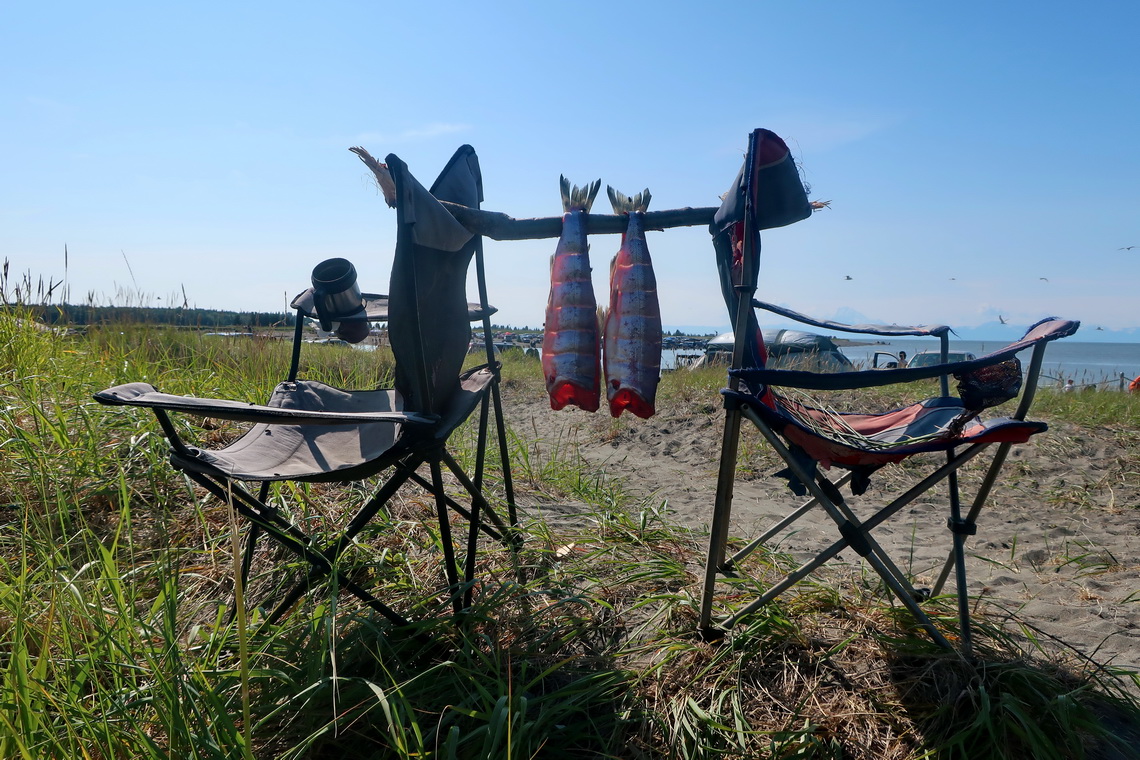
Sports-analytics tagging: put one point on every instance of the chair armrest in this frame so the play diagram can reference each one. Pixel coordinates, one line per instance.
(145, 395)
(885, 330)
(1043, 332)
(843, 381)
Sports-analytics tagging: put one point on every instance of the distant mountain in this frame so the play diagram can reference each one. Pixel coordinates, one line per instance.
(848, 316)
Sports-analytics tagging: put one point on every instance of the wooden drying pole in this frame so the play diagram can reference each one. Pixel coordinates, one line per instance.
(499, 226)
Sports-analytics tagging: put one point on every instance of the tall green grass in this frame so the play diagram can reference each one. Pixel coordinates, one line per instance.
(117, 585)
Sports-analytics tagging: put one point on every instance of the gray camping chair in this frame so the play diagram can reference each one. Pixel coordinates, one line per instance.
(311, 432)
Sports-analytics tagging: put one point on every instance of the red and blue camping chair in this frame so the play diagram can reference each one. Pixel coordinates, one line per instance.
(811, 438)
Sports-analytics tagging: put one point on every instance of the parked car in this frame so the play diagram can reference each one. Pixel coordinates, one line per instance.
(930, 358)
(884, 360)
(787, 349)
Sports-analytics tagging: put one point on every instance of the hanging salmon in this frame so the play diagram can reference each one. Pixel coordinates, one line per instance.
(632, 332)
(570, 346)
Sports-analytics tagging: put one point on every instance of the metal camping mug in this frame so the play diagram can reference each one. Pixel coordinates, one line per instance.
(337, 296)
(335, 289)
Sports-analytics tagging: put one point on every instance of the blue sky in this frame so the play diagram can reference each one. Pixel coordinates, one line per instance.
(204, 146)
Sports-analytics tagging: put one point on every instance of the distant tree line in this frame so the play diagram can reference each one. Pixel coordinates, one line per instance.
(81, 315)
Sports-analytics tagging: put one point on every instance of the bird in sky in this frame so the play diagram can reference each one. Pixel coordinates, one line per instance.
(1046, 279)
(848, 277)
(1002, 319)
(1127, 248)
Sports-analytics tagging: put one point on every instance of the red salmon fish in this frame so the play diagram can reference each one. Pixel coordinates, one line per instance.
(632, 334)
(570, 346)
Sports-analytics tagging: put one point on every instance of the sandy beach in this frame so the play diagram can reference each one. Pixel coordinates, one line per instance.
(1058, 546)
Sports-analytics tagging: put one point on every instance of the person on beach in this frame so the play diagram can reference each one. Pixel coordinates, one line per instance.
(902, 359)
(1068, 387)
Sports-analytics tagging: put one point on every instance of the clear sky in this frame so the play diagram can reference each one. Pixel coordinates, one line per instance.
(982, 159)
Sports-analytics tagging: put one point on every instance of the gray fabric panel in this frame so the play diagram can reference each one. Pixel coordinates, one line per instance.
(432, 225)
(429, 326)
(471, 390)
(461, 181)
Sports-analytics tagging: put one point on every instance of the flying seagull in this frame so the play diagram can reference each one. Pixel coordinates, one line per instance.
(1127, 248)
(848, 277)
(1046, 279)
(1001, 319)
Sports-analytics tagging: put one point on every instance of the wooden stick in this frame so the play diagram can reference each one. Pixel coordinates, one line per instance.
(499, 226)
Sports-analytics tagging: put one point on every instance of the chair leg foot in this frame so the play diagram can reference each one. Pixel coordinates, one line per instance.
(711, 634)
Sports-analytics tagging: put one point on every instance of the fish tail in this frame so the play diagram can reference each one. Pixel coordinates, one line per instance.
(629, 399)
(623, 204)
(578, 198)
(569, 393)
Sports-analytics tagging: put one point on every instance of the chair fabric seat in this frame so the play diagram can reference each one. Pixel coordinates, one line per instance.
(875, 439)
(296, 452)
(332, 452)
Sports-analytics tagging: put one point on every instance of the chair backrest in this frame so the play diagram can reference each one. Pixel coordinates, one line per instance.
(429, 320)
(767, 193)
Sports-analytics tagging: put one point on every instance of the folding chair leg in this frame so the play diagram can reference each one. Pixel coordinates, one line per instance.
(445, 535)
(856, 534)
(504, 453)
(979, 502)
(476, 495)
(481, 441)
(365, 514)
(959, 530)
(779, 527)
(469, 562)
(332, 551)
(247, 556)
(818, 561)
(861, 539)
(287, 535)
(461, 510)
(722, 512)
(905, 595)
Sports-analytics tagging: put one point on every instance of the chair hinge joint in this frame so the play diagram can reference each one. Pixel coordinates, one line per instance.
(856, 538)
(962, 526)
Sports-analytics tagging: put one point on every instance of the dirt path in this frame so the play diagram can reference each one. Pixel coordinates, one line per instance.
(1059, 542)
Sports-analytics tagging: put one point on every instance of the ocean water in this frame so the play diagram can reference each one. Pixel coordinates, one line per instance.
(1088, 364)
(1099, 364)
